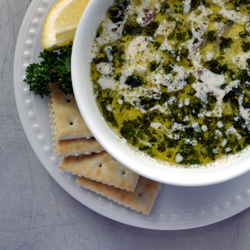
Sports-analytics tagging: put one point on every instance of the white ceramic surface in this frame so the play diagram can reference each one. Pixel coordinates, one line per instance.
(108, 139)
(175, 207)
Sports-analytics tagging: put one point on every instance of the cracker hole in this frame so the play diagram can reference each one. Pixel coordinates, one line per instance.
(71, 123)
(140, 195)
(68, 100)
(123, 172)
(100, 165)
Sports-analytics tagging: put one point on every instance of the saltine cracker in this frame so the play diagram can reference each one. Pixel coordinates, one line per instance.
(101, 168)
(141, 200)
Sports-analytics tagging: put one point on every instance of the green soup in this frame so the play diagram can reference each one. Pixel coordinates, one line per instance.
(172, 77)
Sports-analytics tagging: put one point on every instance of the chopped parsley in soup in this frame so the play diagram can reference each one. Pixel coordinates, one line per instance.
(173, 77)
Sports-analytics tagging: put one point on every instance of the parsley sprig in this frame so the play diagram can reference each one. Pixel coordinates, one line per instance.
(55, 67)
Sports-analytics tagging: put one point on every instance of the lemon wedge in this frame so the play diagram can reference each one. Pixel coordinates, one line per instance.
(61, 23)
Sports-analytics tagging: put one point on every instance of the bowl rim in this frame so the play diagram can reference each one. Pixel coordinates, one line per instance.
(83, 91)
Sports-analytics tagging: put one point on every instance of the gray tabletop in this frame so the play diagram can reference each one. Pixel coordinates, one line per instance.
(36, 213)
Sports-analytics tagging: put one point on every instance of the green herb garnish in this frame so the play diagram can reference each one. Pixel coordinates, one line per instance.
(225, 43)
(245, 46)
(134, 81)
(55, 67)
(165, 6)
(243, 34)
(211, 36)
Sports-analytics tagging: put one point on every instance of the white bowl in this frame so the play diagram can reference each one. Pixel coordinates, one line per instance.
(144, 166)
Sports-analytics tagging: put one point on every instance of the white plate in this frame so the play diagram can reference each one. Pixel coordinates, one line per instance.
(175, 207)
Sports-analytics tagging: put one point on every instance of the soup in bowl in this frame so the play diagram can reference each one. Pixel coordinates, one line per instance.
(164, 86)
